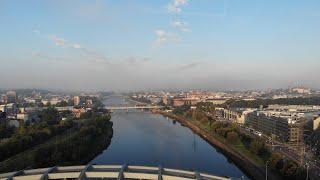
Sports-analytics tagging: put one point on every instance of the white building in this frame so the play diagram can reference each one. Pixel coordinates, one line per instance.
(316, 123)
(301, 90)
(23, 116)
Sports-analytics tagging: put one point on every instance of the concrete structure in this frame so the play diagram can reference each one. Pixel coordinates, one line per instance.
(108, 172)
(316, 123)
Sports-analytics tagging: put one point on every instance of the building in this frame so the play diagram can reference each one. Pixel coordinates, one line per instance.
(167, 100)
(185, 101)
(55, 101)
(270, 125)
(293, 108)
(78, 112)
(216, 101)
(301, 90)
(316, 123)
(52, 101)
(11, 97)
(296, 133)
(9, 108)
(286, 127)
(237, 115)
(3, 108)
(76, 100)
(23, 116)
(89, 102)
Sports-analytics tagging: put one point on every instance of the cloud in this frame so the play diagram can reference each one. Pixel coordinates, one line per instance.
(189, 66)
(175, 6)
(163, 37)
(183, 26)
(92, 55)
(76, 46)
(58, 41)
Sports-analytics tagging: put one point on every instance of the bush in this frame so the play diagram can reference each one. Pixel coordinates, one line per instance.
(232, 137)
(256, 147)
(276, 161)
(289, 169)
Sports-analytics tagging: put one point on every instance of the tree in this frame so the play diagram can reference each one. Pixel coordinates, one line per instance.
(289, 169)
(217, 125)
(276, 161)
(232, 137)
(50, 115)
(256, 146)
(62, 104)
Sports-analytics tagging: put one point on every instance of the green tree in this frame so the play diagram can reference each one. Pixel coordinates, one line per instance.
(256, 146)
(276, 161)
(232, 137)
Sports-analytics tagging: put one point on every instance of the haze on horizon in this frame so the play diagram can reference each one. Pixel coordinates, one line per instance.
(165, 44)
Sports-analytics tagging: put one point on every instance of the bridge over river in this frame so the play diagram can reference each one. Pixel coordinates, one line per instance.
(127, 107)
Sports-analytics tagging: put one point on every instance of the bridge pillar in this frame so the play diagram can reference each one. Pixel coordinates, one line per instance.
(45, 175)
(160, 173)
(121, 175)
(82, 175)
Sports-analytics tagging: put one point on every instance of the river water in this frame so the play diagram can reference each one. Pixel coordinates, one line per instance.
(143, 138)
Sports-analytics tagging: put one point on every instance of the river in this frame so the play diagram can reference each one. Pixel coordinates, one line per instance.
(143, 138)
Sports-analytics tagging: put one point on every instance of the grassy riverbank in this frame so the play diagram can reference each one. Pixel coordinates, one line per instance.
(75, 146)
(250, 163)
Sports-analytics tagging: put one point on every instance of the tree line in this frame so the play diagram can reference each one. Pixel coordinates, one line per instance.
(29, 135)
(230, 132)
(235, 103)
(77, 145)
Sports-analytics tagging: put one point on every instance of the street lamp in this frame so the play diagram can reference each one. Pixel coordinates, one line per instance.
(267, 170)
(307, 164)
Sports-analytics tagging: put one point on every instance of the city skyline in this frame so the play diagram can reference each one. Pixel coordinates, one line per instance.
(173, 44)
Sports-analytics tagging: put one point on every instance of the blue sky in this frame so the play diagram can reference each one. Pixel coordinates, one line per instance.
(139, 44)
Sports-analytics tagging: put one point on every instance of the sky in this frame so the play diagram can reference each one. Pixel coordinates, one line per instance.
(122, 45)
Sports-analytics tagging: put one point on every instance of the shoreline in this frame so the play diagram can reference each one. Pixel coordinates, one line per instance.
(250, 168)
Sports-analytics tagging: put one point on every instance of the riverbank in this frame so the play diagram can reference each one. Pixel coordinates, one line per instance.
(248, 165)
(78, 145)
